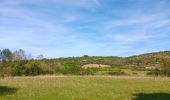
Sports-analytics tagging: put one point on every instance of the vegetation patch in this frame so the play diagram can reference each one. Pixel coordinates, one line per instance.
(84, 88)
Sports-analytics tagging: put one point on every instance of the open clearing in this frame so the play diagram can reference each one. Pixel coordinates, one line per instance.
(84, 88)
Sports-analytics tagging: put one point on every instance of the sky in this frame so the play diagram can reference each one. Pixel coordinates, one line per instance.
(66, 28)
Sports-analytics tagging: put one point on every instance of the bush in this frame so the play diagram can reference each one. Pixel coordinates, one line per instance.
(3, 68)
(35, 68)
(154, 72)
(70, 68)
(165, 67)
(18, 69)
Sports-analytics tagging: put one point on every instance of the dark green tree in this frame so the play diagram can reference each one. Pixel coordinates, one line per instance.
(7, 53)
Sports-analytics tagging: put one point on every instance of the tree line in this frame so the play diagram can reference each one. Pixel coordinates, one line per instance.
(8, 55)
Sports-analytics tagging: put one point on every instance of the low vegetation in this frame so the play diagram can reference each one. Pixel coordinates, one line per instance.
(84, 78)
(18, 63)
(84, 88)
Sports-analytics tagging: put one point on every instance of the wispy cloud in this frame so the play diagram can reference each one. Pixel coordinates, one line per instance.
(58, 28)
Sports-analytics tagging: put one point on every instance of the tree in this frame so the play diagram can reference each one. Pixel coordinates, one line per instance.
(85, 56)
(40, 57)
(2, 56)
(19, 55)
(7, 53)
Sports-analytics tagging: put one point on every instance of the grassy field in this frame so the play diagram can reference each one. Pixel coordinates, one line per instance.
(84, 88)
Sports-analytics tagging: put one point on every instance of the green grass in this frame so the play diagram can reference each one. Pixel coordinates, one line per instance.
(84, 88)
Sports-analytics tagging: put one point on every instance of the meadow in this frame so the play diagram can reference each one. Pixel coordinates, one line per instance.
(85, 88)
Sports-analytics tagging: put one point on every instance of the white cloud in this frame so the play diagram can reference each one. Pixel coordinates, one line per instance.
(131, 37)
(51, 27)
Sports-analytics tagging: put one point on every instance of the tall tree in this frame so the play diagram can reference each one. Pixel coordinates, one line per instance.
(2, 56)
(7, 53)
(19, 55)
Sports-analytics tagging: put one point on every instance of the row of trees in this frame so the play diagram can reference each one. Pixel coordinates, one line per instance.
(8, 55)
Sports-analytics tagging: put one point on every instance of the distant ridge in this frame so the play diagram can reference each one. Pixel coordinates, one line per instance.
(161, 54)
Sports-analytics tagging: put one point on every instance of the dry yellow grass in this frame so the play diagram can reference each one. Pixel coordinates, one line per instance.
(95, 66)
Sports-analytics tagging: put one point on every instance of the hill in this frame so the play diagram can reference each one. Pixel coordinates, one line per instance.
(148, 59)
(155, 61)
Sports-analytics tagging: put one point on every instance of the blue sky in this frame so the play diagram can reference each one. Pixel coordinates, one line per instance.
(62, 28)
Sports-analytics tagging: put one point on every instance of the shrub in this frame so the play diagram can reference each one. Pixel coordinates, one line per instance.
(155, 72)
(165, 67)
(18, 69)
(35, 68)
(70, 68)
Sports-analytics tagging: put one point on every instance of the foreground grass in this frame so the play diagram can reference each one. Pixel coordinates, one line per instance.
(84, 88)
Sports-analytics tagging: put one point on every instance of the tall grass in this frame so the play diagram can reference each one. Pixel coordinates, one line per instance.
(82, 87)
